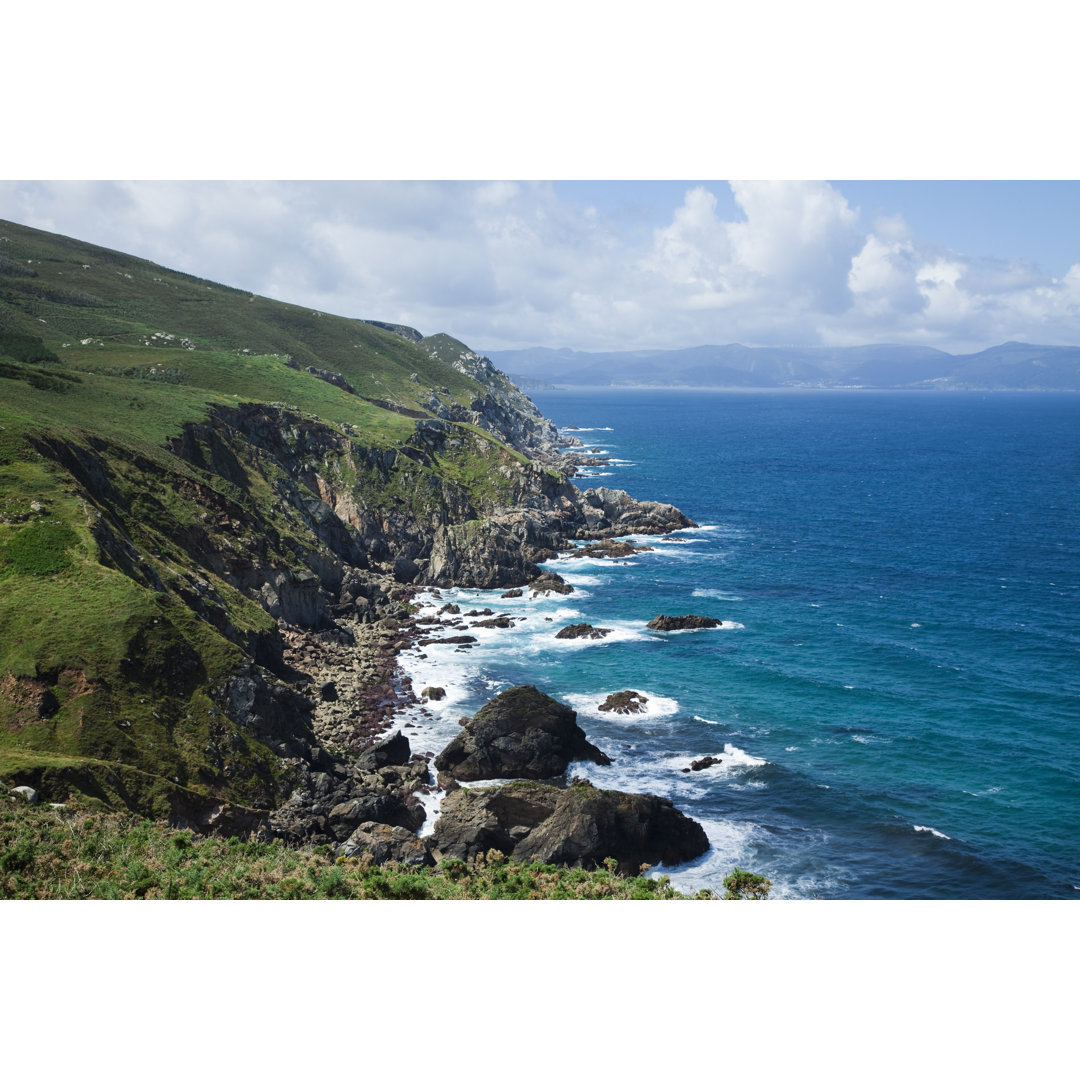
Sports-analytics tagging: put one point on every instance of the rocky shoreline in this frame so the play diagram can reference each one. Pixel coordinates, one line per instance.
(366, 793)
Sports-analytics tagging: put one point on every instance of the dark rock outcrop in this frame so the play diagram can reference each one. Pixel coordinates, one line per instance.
(582, 630)
(384, 809)
(615, 513)
(548, 583)
(522, 733)
(394, 750)
(609, 549)
(624, 702)
(704, 763)
(576, 826)
(683, 622)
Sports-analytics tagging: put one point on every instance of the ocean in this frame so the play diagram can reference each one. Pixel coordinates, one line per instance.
(894, 694)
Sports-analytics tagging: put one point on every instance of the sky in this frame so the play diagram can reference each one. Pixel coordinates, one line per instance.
(400, 137)
(622, 264)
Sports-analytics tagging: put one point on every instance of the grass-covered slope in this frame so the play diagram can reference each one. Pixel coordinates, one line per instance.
(174, 480)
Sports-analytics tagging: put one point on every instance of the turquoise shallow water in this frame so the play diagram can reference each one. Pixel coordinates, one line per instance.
(896, 693)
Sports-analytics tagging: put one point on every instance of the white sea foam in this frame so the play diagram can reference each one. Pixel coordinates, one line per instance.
(704, 721)
(715, 594)
(730, 844)
(732, 757)
(934, 832)
(736, 758)
(571, 431)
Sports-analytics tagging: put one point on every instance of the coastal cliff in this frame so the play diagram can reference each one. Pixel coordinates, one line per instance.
(208, 500)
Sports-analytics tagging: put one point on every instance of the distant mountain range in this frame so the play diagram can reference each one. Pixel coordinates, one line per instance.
(1012, 366)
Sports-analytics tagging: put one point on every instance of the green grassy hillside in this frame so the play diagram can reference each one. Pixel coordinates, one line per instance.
(165, 459)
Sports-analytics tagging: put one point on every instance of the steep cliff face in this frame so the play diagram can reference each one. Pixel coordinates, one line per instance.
(501, 409)
(169, 526)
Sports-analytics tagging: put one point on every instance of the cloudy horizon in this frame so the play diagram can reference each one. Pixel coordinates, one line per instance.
(614, 265)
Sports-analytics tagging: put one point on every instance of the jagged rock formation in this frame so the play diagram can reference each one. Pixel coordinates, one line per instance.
(521, 733)
(247, 533)
(624, 703)
(582, 630)
(576, 826)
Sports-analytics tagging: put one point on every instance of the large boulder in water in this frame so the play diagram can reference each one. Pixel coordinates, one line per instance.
(583, 630)
(523, 733)
(575, 826)
(683, 622)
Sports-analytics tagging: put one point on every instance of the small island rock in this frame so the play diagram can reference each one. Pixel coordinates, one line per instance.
(522, 733)
(625, 702)
(582, 630)
(683, 622)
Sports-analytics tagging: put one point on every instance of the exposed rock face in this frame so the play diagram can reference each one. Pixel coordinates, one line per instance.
(386, 843)
(583, 630)
(393, 750)
(624, 703)
(576, 826)
(385, 809)
(549, 583)
(614, 513)
(332, 799)
(683, 622)
(522, 733)
(433, 693)
(609, 549)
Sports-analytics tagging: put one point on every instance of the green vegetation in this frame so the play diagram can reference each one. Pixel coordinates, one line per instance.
(742, 885)
(126, 485)
(76, 853)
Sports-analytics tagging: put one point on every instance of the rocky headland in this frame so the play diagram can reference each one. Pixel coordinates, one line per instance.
(207, 590)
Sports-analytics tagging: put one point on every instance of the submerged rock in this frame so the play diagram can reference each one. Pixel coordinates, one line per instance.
(683, 622)
(521, 733)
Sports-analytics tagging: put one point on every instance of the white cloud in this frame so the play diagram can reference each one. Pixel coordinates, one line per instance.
(505, 264)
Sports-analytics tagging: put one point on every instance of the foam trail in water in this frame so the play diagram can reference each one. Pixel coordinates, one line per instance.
(933, 832)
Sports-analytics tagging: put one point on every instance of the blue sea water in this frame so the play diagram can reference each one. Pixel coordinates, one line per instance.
(895, 692)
